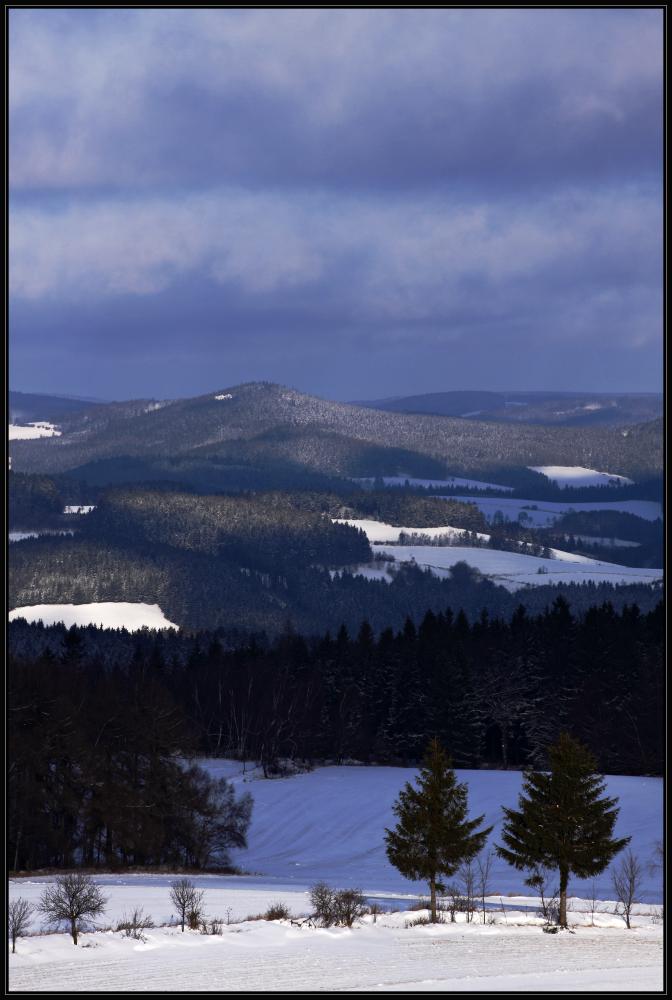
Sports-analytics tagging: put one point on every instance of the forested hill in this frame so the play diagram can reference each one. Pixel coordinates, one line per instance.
(261, 423)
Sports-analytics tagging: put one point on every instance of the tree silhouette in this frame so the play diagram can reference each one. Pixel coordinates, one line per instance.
(562, 822)
(433, 836)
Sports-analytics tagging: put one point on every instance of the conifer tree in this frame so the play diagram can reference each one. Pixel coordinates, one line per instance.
(433, 836)
(563, 823)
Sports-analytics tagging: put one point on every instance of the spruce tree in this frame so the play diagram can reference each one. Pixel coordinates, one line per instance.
(563, 823)
(433, 836)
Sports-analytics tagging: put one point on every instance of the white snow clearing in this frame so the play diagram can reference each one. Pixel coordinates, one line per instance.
(453, 483)
(512, 952)
(378, 531)
(329, 824)
(82, 508)
(39, 429)
(18, 536)
(224, 395)
(577, 475)
(105, 614)
(543, 513)
(510, 569)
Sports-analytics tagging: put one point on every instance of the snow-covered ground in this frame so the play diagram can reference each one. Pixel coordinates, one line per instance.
(453, 483)
(577, 475)
(510, 569)
(510, 954)
(84, 508)
(329, 824)
(105, 614)
(378, 531)
(543, 513)
(38, 429)
(18, 536)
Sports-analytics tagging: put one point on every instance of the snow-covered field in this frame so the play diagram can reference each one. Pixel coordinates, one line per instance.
(577, 475)
(84, 508)
(378, 531)
(453, 483)
(510, 569)
(329, 824)
(543, 513)
(38, 429)
(510, 954)
(18, 536)
(105, 614)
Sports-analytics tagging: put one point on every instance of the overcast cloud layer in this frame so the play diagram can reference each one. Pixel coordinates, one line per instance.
(356, 203)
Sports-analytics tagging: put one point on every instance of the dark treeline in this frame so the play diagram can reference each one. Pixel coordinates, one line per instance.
(92, 777)
(495, 692)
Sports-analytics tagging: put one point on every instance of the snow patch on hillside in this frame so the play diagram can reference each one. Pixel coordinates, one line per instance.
(37, 429)
(509, 569)
(576, 475)
(82, 508)
(105, 614)
(378, 531)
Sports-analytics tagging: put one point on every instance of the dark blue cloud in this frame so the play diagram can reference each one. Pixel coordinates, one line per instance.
(356, 202)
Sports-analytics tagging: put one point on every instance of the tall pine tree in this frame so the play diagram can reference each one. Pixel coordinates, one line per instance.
(433, 836)
(563, 823)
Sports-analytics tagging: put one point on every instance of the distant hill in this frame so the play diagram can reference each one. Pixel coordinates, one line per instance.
(25, 407)
(260, 429)
(562, 409)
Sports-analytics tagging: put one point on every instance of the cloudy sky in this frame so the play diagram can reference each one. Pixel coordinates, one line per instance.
(356, 203)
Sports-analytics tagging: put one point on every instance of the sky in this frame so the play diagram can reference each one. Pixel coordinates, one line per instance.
(355, 203)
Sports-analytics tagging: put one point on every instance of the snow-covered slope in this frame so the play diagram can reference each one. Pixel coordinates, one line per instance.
(27, 432)
(106, 614)
(577, 475)
(330, 823)
(378, 531)
(510, 569)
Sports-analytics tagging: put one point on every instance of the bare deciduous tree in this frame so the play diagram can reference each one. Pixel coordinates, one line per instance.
(18, 915)
(188, 901)
(626, 878)
(484, 868)
(71, 898)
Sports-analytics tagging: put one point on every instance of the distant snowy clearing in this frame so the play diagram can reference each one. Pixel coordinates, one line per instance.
(453, 483)
(82, 508)
(18, 536)
(378, 531)
(510, 569)
(39, 429)
(544, 513)
(577, 475)
(105, 614)
(260, 956)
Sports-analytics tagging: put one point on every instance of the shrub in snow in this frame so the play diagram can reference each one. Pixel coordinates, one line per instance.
(277, 911)
(132, 926)
(333, 907)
